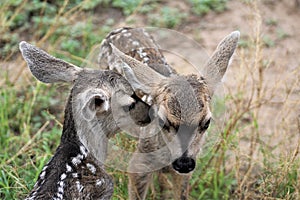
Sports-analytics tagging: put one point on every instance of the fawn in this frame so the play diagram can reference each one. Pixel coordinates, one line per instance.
(76, 170)
(180, 105)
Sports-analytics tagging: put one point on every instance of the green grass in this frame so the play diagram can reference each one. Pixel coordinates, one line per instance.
(29, 136)
(167, 17)
(202, 7)
(31, 113)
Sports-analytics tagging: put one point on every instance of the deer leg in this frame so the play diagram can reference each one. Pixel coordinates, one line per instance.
(165, 186)
(138, 185)
(180, 186)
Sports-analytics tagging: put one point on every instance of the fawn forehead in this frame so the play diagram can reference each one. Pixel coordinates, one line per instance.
(107, 80)
(185, 99)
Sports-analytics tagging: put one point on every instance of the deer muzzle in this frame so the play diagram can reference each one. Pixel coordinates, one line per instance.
(184, 164)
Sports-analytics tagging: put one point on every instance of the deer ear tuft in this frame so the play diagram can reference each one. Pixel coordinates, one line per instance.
(217, 64)
(47, 68)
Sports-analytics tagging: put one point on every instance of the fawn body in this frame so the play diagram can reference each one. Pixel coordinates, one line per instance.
(76, 170)
(180, 103)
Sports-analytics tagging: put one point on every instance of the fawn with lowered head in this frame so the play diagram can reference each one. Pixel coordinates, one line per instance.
(180, 107)
(76, 169)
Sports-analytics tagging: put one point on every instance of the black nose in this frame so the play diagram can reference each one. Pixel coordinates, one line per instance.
(184, 164)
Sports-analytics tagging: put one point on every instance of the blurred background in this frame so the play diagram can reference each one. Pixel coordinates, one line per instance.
(255, 154)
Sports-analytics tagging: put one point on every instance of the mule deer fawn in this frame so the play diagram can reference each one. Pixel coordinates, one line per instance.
(180, 103)
(76, 169)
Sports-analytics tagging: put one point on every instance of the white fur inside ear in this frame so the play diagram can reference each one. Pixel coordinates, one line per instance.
(87, 111)
(94, 102)
(105, 106)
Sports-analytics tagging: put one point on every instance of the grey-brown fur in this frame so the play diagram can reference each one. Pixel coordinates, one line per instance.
(180, 105)
(76, 169)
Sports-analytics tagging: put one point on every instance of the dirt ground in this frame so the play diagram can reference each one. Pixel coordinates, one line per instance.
(277, 18)
(277, 25)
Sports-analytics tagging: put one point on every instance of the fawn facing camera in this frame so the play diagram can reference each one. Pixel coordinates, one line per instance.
(180, 105)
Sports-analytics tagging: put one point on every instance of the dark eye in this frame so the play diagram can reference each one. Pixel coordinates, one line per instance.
(206, 125)
(127, 108)
(132, 106)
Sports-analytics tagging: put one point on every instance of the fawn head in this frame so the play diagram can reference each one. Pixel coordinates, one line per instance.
(180, 103)
(100, 102)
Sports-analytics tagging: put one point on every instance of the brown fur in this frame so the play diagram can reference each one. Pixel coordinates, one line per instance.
(180, 105)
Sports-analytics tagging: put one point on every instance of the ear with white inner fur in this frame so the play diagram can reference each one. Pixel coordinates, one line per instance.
(216, 66)
(95, 101)
(141, 77)
(47, 68)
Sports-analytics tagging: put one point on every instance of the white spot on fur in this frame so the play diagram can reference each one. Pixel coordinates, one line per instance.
(61, 184)
(59, 195)
(42, 176)
(118, 30)
(74, 175)
(146, 59)
(135, 43)
(60, 189)
(123, 31)
(91, 167)
(127, 34)
(32, 197)
(79, 186)
(44, 168)
(83, 151)
(35, 184)
(69, 168)
(99, 182)
(77, 160)
(63, 176)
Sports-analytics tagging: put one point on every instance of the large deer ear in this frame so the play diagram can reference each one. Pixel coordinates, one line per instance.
(47, 68)
(216, 66)
(142, 78)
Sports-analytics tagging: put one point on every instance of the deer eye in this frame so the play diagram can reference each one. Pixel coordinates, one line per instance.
(206, 125)
(129, 107)
(132, 106)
